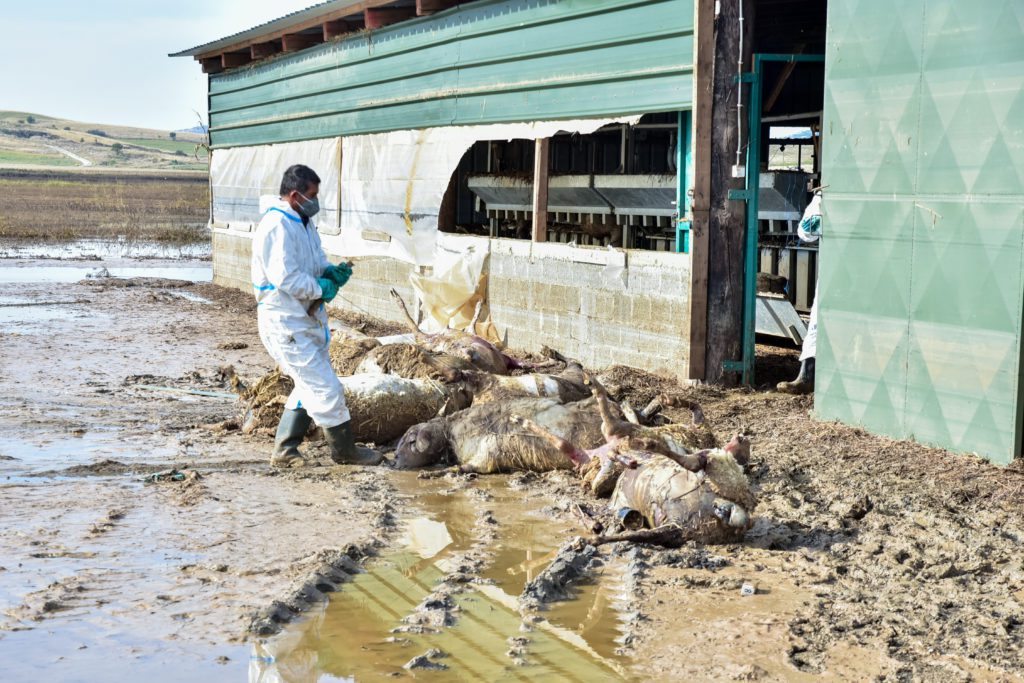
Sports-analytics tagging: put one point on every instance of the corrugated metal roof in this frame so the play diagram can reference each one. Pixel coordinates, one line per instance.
(279, 24)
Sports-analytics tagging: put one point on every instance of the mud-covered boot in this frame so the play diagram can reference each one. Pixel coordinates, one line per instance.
(290, 432)
(344, 450)
(804, 382)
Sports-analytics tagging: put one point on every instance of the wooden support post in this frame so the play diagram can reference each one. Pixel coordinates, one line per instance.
(264, 50)
(540, 190)
(727, 218)
(704, 77)
(333, 29)
(425, 7)
(379, 17)
(293, 42)
(212, 65)
(233, 59)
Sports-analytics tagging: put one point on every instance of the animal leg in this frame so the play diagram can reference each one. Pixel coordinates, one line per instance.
(630, 414)
(476, 315)
(405, 311)
(577, 456)
(611, 427)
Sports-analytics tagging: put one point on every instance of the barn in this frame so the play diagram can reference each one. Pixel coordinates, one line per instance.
(609, 178)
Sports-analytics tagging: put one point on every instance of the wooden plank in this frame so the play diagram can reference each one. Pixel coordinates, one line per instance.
(293, 42)
(264, 50)
(379, 17)
(425, 7)
(540, 190)
(232, 59)
(333, 29)
(345, 12)
(212, 65)
(780, 83)
(704, 72)
(726, 224)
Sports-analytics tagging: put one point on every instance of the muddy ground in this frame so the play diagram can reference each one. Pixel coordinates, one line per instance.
(870, 558)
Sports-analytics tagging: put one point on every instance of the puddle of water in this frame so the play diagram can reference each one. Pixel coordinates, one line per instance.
(189, 296)
(65, 274)
(33, 313)
(348, 639)
(92, 249)
(24, 456)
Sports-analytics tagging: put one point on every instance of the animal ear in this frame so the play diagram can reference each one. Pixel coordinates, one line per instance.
(422, 442)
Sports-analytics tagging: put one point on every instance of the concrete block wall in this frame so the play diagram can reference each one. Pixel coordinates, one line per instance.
(595, 305)
(555, 295)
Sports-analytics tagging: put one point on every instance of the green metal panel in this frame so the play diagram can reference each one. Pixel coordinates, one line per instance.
(483, 62)
(922, 263)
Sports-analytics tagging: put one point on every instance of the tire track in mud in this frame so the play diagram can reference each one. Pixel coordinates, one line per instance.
(444, 594)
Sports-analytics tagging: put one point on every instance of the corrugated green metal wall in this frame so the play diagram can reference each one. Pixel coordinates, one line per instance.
(484, 62)
(921, 266)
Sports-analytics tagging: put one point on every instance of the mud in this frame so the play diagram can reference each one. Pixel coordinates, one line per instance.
(869, 558)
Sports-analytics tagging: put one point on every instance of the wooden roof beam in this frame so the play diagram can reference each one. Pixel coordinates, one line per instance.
(425, 7)
(212, 65)
(340, 27)
(230, 60)
(344, 12)
(379, 17)
(264, 50)
(293, 42)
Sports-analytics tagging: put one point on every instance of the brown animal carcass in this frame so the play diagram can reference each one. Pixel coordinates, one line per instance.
(484, 439)
(702, 496)
(481, 353)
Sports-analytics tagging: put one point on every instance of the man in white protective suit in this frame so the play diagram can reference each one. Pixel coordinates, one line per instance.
(293, 279)
(809, 231)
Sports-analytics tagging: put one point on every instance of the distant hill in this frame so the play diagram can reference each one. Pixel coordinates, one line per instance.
(30, 140)
(201, 129)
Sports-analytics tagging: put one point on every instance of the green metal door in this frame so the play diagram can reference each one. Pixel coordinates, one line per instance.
(922, 293)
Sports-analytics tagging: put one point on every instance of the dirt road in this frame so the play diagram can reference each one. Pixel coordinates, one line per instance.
(870, 558)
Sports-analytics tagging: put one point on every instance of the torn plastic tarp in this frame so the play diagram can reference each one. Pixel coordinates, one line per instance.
(448, 297)
(239, 176)
(393, 183)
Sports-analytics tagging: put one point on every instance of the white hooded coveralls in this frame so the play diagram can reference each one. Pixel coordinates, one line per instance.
(287, 259)
(810, 346)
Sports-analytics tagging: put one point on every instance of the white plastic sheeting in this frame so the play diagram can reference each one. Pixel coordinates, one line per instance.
(393, 183)
(380, 194)
(240, 175)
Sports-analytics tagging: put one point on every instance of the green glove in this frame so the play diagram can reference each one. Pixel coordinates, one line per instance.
(339, 273)
(328, 287)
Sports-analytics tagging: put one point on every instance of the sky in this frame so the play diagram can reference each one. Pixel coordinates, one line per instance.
(105, 61)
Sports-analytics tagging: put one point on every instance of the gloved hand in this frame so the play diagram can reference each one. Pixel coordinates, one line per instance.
(339, 273)
(328, 287)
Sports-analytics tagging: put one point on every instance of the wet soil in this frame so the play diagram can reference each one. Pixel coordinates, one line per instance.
(870, 558)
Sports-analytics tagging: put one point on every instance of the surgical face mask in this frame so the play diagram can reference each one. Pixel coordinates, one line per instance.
(309, 207)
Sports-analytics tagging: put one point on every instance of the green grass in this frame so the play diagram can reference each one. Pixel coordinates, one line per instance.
(166, 145)
(10, 156)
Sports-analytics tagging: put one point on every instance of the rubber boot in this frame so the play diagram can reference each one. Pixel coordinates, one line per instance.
(344, 450)
(804, 382)
(290, 432)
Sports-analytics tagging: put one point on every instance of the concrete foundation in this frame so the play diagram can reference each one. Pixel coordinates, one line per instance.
(598, 306)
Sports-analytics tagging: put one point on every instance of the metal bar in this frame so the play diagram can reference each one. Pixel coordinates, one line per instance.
(750, 255)
(750, 194)
(684, 173)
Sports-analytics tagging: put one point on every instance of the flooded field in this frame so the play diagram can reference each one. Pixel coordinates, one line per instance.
(869, 558)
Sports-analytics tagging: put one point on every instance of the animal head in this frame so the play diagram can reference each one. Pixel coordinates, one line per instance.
(421, 445)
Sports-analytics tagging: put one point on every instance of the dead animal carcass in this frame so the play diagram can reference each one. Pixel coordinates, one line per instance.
(705, 496)
(383, 407)
(481, 353)
(566, 387)
(483, 438)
